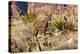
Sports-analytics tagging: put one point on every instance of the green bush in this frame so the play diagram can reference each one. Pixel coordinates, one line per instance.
(69, 25)
(51, 27)
(61, 24)
(24, 19)
(28, 18)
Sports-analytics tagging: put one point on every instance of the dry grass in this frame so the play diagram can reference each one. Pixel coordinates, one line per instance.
(26, 42)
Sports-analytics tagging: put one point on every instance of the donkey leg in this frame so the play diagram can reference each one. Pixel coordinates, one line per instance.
(45, 29)
(36, 33)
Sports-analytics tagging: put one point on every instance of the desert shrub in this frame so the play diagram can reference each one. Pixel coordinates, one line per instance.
(24, 19)
(69, 25)
(13, 25)
(51, 27)
(59, 24)
(28, 17)
(62, 24)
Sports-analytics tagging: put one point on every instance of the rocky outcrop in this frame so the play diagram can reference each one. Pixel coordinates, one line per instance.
(14, 9)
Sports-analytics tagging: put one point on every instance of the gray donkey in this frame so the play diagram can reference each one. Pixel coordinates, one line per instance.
(41, 23)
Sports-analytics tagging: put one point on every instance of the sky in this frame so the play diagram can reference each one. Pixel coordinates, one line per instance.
(22, 6)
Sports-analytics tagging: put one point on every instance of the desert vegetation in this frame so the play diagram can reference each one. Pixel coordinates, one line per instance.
(55, 30)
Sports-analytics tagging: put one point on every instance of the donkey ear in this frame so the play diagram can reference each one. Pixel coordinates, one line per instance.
(51, 13)
(46, 14)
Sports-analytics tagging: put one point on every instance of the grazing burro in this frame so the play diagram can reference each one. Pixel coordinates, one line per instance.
(41, 23)
(44, 14)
